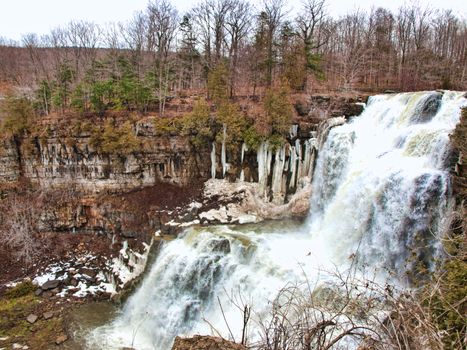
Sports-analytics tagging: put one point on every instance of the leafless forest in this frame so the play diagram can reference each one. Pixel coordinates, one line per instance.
(160, 53)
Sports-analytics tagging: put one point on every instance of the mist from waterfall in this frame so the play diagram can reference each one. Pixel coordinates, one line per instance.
(381, 197)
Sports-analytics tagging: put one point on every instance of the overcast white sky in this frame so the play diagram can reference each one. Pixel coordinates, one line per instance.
(18, 17)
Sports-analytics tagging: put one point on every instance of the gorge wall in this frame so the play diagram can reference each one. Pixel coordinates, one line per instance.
(54, 160)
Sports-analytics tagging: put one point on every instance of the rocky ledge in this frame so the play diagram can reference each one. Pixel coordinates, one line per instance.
(199, 342)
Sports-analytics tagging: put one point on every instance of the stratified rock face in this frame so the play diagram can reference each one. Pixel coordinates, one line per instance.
(199, 342)
(67, 159)
(9, 162)
(54, 163)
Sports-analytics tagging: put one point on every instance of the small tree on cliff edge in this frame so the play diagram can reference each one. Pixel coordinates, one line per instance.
(16, 113)
(278, 110)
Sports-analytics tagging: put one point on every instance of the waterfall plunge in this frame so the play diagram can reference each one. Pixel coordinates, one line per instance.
(380, 188)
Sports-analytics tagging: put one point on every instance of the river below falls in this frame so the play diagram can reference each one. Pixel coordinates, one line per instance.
(85, 318)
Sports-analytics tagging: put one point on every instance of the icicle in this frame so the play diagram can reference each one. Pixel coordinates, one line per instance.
(277, 176)
(293, 132)
(293, 167)
(269, 160)
(298, 148)
(244, 149)
(263, 167)
(213, 161)
(242, 173)
(225, 165)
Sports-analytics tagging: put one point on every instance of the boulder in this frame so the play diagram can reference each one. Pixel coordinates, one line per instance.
(61, 339)
(48, 315)
(32, 318)
(50, 284)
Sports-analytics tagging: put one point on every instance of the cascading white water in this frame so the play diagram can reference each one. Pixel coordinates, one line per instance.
(380, 194)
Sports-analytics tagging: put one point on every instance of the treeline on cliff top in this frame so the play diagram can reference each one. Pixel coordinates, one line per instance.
(161, 53)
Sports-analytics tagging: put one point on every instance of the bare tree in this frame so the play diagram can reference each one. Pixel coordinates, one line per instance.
(162, 22)
(352, 47)
(348, 312)
(187, 53)
(83, 37)
(237, 24)
(272, 14)
(313, 31)
(18, 229)
(202, 18)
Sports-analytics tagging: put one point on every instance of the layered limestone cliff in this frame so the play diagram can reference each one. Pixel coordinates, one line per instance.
(55, 161)
(9, 162)
(105, 189)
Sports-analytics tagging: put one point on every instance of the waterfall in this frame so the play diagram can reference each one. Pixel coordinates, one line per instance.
(381, 194)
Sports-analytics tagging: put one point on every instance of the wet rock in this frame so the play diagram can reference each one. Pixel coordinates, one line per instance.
(51, 284)
(32, 318)
(61, 339)
(189, 216)
(221, 246)
(427, 108)
(48, 315)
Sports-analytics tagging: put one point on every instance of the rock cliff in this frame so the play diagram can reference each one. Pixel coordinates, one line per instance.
(54, 162)
(127, 193)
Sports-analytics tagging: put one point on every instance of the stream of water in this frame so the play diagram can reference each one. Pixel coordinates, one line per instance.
(381, 198)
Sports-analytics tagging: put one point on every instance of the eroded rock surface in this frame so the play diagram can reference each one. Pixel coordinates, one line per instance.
(199, 342)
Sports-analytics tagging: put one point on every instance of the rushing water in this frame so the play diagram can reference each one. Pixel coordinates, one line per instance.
(380, 197)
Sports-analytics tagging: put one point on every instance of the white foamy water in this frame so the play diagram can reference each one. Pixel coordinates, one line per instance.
(380, 197)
